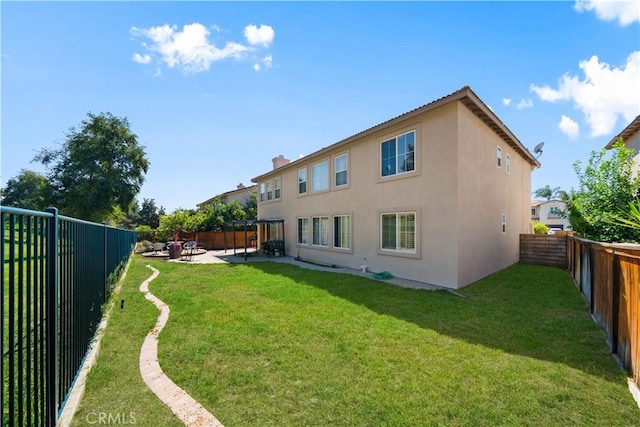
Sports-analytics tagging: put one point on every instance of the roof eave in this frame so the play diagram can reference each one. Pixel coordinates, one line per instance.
(627, 132)
(465, 95)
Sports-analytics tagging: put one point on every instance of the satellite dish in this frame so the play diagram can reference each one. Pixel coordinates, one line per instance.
(538, 149)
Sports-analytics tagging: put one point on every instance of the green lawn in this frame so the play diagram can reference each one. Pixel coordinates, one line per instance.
(268, 344)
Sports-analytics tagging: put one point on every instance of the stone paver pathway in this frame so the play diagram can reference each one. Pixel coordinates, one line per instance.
(190, 412)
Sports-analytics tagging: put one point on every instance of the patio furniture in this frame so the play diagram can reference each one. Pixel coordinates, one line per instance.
(188, 251)
(274, 247)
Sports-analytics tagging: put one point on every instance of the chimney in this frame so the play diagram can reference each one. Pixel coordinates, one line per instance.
(280, 161)
(240, 186)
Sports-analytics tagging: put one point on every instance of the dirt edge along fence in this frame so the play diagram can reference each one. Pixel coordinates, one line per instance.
(57, 275)
(608, 276)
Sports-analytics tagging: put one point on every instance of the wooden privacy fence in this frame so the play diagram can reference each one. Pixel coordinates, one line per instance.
(608, 275)
(544, 249)
(216, 239)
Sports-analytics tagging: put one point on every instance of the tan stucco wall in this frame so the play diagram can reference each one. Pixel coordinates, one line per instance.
(241, 196)
(485, 192)
(634, 144)
(456, 192)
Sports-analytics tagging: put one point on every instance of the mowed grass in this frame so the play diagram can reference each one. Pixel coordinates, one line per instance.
(268, 344)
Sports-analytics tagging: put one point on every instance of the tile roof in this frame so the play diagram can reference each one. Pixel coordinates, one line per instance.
(466, 96)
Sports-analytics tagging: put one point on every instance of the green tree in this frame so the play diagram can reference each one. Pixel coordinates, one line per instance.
(28, 190)
(99, 167)
(150, 214)
(548, 193)
(607, 186)
(251, 209)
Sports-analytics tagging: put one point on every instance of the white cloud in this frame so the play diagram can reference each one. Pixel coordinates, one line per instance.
(506, 101)
(569, 127)
(605, 93)
(267, 61)
(524, 103)
(190, 50)
(625, 11)
(141, 59)
(259, 36)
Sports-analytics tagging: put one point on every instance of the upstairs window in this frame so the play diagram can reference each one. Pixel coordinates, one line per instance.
(508, 165)
(398, 155)
(320, 176)
(499, 156)
(555, 212)
(504, 223)
(276, 186)
(302, 181)
(341, 170)
(269, 191)
(262, 192)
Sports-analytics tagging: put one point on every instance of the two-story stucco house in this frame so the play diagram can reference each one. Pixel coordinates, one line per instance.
(438, 195)
(551, 213)
(241, 194)
(631, 137)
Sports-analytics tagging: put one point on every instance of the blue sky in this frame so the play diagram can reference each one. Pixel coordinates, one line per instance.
(215, 90)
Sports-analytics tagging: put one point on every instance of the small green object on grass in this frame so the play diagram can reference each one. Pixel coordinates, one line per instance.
(383, 275)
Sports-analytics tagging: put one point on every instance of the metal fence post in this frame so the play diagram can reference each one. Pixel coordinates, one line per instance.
(52, 317)
(104, 262)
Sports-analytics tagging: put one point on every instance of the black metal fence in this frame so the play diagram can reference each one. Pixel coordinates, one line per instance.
(56, 276)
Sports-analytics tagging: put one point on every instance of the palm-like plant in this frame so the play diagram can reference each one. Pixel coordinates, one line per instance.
(632, 219)
(547, 192)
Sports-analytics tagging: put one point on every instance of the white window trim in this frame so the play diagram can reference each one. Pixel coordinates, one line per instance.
(415, 235)
(415, 154)
(263, 193)
(306, 182)
(499, 156)
(328, 187)
(306, 235)
(328, 231)
(277, 188)
(508, 163)
(349, 232)
(504, 223)
(269, 191)
(346, 169)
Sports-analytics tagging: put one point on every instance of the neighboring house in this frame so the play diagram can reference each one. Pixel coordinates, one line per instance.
(242, 194)
(631, 137)
(438, 195)
(550, 213)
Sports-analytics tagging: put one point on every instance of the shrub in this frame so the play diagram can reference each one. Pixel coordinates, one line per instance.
(145, 232)
(540, 228)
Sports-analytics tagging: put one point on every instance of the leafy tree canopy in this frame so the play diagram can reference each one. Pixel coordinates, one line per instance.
(98, 168)
(150, 214)
(608, 186)
(28, 190)
(548, 193)
(208, 218)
